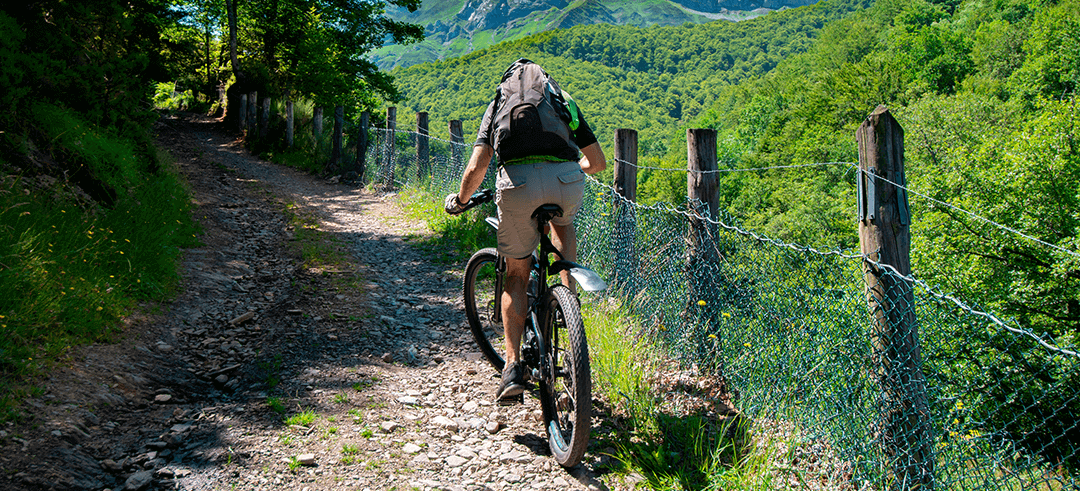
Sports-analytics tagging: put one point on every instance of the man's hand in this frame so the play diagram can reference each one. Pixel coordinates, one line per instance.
(452, 205)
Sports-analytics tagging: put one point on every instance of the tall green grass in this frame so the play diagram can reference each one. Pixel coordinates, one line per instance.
(454, 238)
(671, 451)
(71, 268)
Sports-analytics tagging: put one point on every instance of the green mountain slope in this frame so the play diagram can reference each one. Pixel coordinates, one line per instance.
(651, 79)
(456, 27)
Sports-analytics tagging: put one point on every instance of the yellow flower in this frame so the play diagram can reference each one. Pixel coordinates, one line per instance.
(726, 315)
(746, 344)
(701, 303)
(712, 336)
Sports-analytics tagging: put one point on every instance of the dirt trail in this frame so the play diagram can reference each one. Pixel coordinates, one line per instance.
(377, 356)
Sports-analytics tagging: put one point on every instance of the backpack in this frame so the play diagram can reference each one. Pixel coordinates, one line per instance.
(533, 116)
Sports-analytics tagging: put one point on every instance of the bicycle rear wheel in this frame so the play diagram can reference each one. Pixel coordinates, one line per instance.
(566, 392)
(481, 290)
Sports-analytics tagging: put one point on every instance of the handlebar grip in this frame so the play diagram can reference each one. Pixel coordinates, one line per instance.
(478, 198)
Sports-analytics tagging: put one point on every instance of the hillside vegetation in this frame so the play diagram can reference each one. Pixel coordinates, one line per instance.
(649, 79)
(92, 217)
(455, 27)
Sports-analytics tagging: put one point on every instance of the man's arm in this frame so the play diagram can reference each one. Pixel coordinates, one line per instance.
(593, 159)
(475, 171)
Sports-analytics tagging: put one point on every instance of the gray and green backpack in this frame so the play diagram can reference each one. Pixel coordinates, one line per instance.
(533, 118)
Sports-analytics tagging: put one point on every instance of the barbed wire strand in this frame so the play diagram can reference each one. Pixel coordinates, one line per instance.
(982, 219)
(971, 310)
(718, 171)
(693, 215)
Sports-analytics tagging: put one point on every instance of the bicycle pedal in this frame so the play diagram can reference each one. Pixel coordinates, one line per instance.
(512, 400)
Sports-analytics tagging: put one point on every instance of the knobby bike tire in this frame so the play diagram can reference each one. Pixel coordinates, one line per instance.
(480, 293)
(567, 399)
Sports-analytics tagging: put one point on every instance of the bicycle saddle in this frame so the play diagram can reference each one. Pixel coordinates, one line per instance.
(546, 212)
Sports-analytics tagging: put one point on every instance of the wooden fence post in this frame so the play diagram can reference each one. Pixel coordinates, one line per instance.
(457, 144)
(316, 124)
(361, 146)
(337, 139)
(884, 237)
(253, 114)
(289, 131)
(391, 137)
(241, 119)
(422, 150)
(264, 120)
(626, 255)
(702, 189)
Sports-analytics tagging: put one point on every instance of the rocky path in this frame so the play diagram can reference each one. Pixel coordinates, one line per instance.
(264, 373)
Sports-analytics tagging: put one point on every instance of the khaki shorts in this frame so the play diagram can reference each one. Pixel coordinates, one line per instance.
(521, 189)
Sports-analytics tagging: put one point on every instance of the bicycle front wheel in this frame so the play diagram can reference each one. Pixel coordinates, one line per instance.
(481, 291)
(566, 392)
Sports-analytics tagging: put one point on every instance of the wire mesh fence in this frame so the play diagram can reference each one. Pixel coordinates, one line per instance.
(979, 403)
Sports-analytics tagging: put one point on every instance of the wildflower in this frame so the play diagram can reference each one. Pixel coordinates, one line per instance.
(713, 336)
(726, 315)
(746, 344)
(701, 303)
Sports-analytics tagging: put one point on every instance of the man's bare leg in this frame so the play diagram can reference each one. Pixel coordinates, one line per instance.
(565, 240)
(514, 306)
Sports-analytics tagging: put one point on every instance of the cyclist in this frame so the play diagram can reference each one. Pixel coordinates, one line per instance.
(542, 159)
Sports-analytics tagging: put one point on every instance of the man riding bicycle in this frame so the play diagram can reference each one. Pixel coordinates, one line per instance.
(539, 136)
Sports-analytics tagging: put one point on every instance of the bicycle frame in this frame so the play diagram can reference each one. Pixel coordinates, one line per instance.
(587, 278)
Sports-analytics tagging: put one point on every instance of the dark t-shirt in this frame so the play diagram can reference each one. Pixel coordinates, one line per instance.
(583, 137)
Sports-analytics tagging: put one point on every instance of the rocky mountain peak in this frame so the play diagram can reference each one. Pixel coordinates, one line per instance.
(492, 14)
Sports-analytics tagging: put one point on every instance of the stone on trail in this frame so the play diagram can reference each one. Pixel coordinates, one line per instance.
(139, 481)
(242, 318)
(410, 448)
(445, 422)
(306, 459)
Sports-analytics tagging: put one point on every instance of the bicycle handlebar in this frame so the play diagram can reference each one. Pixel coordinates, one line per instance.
(478, 198)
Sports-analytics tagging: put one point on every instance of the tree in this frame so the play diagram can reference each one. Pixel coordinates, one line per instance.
(315, 48)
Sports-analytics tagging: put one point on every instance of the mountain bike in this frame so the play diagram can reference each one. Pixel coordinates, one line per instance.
(554, 349)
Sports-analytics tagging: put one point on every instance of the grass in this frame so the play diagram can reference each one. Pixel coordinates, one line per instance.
(455, 238)
(303, 418)
(671, 451)
(276, 404)
(73, 264)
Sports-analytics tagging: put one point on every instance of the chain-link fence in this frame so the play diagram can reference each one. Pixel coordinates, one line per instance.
(909, 388)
